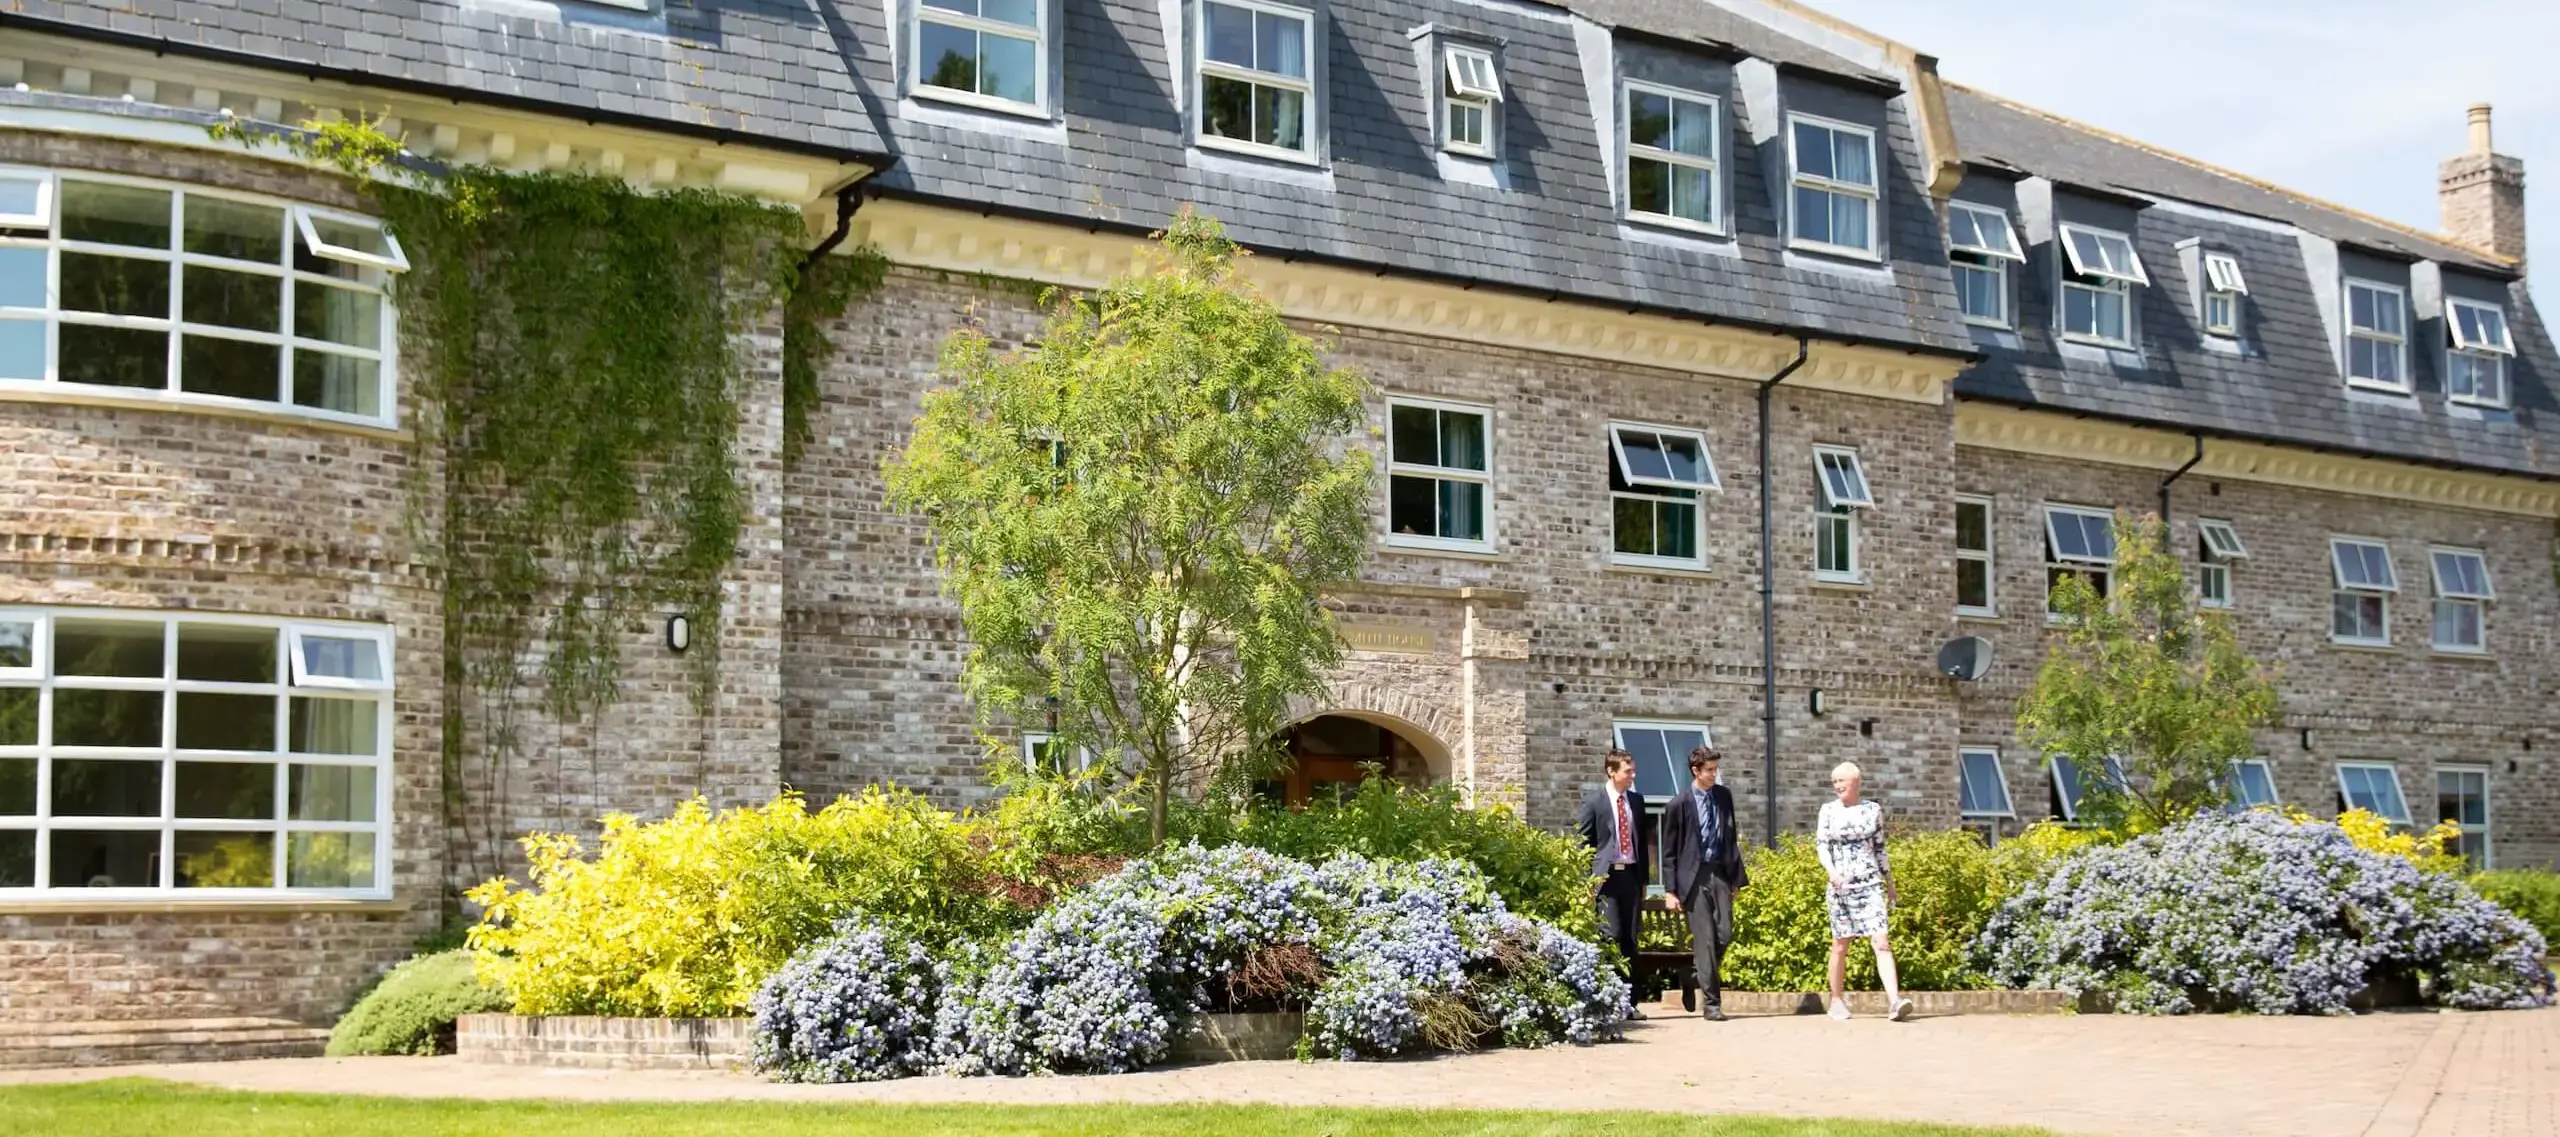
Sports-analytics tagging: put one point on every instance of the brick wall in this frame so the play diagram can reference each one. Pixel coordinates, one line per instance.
(1532, 685)
(2407, 704)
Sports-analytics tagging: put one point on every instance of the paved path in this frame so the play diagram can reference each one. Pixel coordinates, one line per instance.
(2388, 1075)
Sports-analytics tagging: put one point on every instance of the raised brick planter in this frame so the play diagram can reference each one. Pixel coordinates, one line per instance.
(1241, 1038)
(34, 1045)
(598, 1043)
(1934, 1004)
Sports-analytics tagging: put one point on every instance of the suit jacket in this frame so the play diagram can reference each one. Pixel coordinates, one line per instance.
(1683, 859)
(1600, 831)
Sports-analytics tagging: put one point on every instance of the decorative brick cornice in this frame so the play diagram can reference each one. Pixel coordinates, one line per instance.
(2057, 435)
(954, 240)
(228, 554)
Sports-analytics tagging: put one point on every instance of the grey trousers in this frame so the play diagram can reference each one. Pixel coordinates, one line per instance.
(1709, 907)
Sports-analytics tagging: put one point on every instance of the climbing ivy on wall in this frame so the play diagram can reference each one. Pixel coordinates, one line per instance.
(574, 346)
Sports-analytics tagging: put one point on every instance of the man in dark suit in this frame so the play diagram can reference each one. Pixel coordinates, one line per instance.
(1701, 870)
(1613, 824)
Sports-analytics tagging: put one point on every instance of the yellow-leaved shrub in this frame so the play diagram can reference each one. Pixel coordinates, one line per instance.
(2373, 834)
(688, 915)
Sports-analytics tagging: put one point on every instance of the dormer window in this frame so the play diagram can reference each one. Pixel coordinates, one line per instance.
(2476, 360)
(1980, 245)
(2224, 287)
(1671, 157)
(1467, 102)
(982, 51)
(1833, 207)
(1255, 92)
(2100, 273)
(2377, 336)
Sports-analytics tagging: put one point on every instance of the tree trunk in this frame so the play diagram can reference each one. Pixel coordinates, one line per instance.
(1156, 805)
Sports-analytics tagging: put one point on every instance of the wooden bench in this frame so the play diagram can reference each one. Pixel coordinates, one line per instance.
(1658, 923)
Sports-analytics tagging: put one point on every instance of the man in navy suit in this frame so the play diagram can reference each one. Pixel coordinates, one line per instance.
(1613, 824)
(1701, 870)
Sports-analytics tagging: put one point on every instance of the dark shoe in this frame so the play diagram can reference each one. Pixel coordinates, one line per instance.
(1715, 1014)
(1688, 998)
(1635, 1014)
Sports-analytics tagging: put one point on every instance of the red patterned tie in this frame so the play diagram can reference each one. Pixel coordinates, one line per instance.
(1626, 838)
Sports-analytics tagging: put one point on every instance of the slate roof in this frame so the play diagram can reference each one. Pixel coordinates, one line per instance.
(1994, 131)
(820, 73)
(2287, 386)
(776, 71)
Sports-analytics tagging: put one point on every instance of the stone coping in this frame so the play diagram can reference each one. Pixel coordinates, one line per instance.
(1934, 1004)
(596, 1042)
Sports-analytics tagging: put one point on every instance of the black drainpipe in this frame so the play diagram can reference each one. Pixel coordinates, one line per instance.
(848, 200)
(1769, 611)
(2173, 477)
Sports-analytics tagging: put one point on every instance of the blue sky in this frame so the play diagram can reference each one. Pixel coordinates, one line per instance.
(2355, 101)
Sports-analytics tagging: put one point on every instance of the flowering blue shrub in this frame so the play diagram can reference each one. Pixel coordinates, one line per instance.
(857, 1007)
(1386, 957)
(2255, 912)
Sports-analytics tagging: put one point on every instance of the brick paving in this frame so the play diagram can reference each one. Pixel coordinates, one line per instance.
(2386, 1075)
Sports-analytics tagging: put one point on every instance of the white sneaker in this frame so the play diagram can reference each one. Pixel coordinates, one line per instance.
(1901, 1010)
(1840, 1009)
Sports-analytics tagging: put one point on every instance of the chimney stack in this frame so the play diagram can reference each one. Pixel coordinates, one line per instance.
(2480, 194)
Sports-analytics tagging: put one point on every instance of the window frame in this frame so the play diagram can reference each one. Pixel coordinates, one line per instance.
(1629, 151)
(1458, 90)
(2070, 802)
(2008, 803)
(1650, 490)
(2488, 813)
(2222, 274)
(39, 623)
(2398, 791)
(1032, 740)
(1042, 65)
(292, 281)
(2221, 312)
(2237, 785)
(1871, 196)
(1203, 68)
(2340, 589)
(2008, 250)
(1678, 763)
(42, 216)
(1988, 556)
(2471, 353)
(2398, 342)
(2087, 566)
(1996, 272)
(168, 756)
(1845, 458)
(298, 674)
(2477, 600)
(1842, 521)
(1981, 256)
(2132, 274)
(2218, 545)
(1440, 473)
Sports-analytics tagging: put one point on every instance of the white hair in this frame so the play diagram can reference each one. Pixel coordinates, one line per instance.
(1845, 770)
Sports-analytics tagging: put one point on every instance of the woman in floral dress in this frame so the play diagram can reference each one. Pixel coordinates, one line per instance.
(1850, 840)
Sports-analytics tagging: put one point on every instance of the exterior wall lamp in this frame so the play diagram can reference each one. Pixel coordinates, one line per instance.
(679, 634)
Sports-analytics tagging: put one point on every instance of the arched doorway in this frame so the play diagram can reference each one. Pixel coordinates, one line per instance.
(1328, 755)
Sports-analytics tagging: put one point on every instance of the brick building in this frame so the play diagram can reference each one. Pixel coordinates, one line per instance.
(1966, 323)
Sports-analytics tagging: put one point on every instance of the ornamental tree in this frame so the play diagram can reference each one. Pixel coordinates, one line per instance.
(2144, 675)
(1140, 512)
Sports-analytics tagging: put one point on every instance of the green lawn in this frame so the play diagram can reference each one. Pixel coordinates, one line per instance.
(161, 1109)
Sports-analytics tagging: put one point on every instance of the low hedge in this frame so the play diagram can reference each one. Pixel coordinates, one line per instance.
(413, 1009)
(2533, 894)
(1948, 882)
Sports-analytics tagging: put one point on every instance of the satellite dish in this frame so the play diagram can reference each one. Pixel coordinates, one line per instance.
(1965, 658)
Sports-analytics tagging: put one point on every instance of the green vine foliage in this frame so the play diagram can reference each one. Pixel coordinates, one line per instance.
(574, 347)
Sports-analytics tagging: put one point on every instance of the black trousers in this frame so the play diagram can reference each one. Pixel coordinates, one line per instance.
(1709, 907)
(1622, 907)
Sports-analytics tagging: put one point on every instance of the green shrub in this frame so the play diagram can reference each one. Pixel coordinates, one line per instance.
(1541, 875)
(2533, 894)
(1949, 885)
(412, 1010)
(689, 915)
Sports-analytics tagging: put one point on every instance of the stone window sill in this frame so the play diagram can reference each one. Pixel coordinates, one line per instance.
(1393, 549)
(1619, 569)
(32, 906)
(1842, 585)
